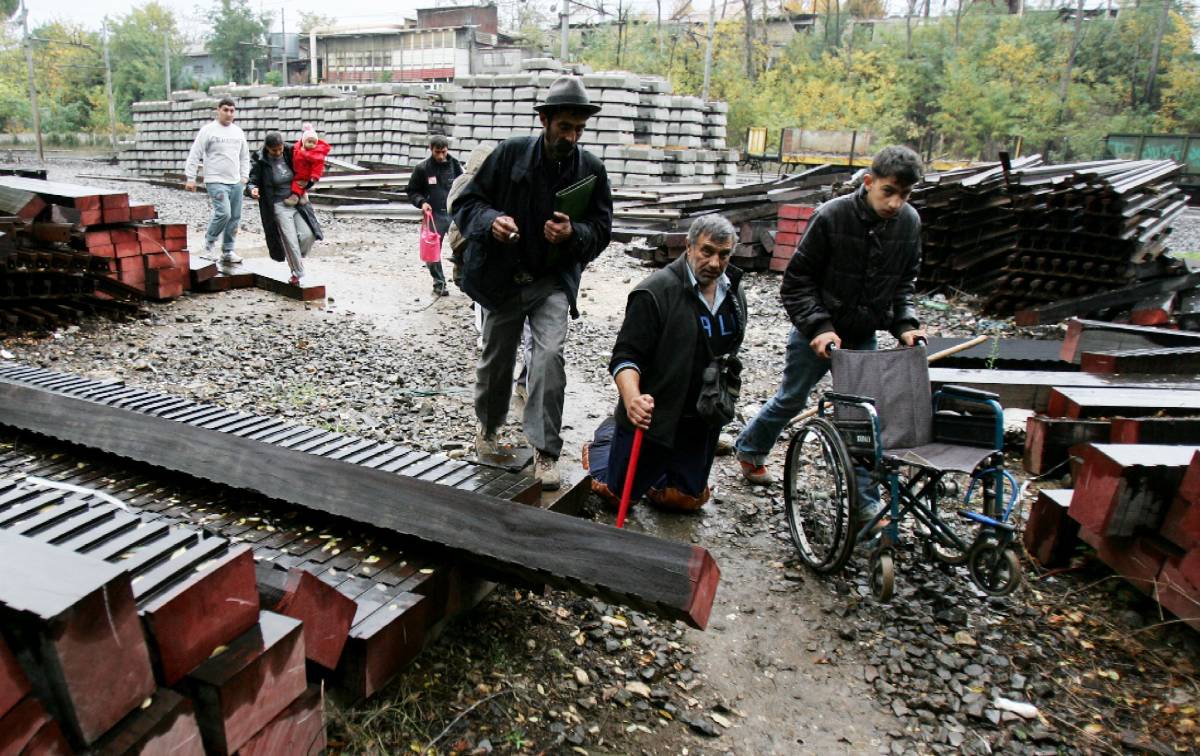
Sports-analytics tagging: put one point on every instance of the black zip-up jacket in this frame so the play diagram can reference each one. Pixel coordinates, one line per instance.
(260, 178)
(510, 182)
(661, 335)
(421, 191)
(854, 273)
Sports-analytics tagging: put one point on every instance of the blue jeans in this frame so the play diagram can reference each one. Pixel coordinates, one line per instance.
(802, 370)
(227, 214)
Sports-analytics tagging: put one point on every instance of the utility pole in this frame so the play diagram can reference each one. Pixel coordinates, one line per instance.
(27, 43)
(708, 47)
(112, 106)
(564, 22)
(167, 61)
(283, 43)
(312, 55)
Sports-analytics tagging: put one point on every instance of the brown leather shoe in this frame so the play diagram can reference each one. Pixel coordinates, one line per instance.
(672, 499)
(607, 497)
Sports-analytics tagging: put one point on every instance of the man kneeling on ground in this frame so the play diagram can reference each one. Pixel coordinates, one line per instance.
(677, 322)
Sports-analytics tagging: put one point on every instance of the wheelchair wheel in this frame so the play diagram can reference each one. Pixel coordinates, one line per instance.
(995, 568)
(883, 575)
(978, 498)
(819, 496)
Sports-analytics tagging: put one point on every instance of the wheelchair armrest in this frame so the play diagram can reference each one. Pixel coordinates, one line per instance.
(833, 396)
(964, 392)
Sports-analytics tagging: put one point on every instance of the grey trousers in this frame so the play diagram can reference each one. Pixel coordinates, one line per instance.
(297, 236)
(545, 304)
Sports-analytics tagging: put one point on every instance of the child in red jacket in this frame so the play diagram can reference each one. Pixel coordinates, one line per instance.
(308, 164)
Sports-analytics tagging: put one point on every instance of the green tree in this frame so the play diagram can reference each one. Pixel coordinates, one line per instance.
(136, 45)
(238, 34)
(69, 74)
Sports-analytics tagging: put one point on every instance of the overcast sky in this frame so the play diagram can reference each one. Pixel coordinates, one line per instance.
(190, 13)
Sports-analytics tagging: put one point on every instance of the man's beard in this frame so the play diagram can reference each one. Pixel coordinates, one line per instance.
(561, 149)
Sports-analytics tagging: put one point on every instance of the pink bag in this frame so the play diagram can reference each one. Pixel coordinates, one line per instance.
(431, 241)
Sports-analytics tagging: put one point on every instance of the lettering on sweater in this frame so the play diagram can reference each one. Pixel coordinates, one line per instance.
(722, 327)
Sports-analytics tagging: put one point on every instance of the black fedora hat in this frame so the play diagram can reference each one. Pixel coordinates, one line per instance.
(567, 93)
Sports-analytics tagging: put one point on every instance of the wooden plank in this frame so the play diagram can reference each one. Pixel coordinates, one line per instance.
(73, 625)
(1050, 534)
(1058, 311)
(1002, 354)
(1155, 430)
(383, 643)
(166, 725)
(1123, 489)
(1030, 389)
(299, 729)
(242, 688)
(1085, 401)
(212, 607)
(1101, 336)
(13, 682)
(1156, 361)
(327, 615)
(28, 729)
(505, 540)
(1048, 439)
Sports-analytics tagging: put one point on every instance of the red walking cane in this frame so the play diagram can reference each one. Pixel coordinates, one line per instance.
(629, 473)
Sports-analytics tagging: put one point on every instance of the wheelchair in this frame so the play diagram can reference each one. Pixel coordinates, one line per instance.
(881, 434)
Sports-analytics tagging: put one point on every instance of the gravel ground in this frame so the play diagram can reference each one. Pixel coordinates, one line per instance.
(792, 662)
(1185, 234)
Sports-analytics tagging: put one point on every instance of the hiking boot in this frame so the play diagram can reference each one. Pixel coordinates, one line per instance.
(756, 474)
(545, 469)
(486, 444)
(229, 258)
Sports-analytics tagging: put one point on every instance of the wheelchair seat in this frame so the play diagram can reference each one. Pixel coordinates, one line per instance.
(897, 380)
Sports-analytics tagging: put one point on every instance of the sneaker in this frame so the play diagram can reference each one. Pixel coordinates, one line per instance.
(229, 258)
(756, 474)
(444, 292)
(545, 469)
(486, 444)
(210, 249)
(294, 280)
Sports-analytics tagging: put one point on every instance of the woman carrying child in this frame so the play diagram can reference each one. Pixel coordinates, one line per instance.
(290, 229)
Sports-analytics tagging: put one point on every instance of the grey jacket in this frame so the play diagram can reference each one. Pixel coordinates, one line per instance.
(854, 273)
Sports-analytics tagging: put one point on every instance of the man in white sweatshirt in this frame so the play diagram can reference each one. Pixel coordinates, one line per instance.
(222, 148)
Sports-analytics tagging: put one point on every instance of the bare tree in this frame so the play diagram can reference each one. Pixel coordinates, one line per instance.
(962, 7)
(912, 9)
(748, 7)
(1064, 87)
(658, 26)
(1156, 50)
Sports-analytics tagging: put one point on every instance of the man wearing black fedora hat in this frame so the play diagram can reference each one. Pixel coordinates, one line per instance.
(535, 214)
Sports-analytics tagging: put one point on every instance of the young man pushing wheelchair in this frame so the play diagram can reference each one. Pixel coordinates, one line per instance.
(854, 273)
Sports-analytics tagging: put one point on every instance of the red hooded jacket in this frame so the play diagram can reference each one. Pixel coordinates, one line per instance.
(308, 165)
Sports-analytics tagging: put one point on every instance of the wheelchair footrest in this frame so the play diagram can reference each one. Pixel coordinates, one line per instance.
(983, 519)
